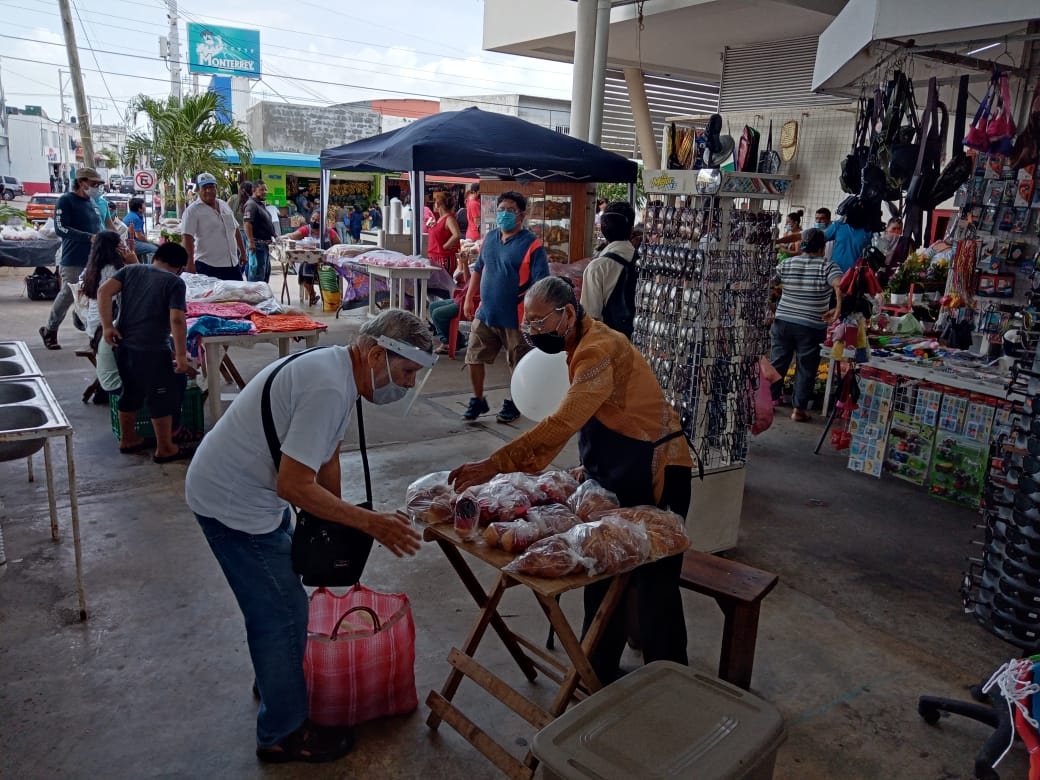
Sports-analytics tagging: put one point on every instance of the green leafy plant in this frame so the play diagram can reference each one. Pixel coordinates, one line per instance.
(182, 138)
(615, 191)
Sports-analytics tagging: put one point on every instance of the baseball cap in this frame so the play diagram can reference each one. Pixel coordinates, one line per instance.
(87, 173)
(206, 178)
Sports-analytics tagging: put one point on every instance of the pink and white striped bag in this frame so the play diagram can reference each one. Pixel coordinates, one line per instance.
(360, 658)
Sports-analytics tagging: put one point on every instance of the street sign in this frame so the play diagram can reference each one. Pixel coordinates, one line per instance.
(145, 179)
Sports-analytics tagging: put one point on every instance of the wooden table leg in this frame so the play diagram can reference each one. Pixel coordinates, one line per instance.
(472, 584)
(231, 369)
(371, 293)
(213, 360)
(739, 635)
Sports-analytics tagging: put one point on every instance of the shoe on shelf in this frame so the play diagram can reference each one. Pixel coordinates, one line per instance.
(477, 407)
(50, 338)
(508, 413)
(310, 743)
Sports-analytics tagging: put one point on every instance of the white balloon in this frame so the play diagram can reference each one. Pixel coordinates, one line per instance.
(539, 384)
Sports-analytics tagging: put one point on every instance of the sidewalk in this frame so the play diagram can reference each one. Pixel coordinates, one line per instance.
(157, 682)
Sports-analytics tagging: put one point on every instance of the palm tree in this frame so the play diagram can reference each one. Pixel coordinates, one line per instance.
(182, 138)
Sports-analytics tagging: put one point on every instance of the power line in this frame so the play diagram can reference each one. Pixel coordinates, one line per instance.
(90, 46)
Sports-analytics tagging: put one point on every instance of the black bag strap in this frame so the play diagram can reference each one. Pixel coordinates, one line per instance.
(769, 143)
(961, 117)
(619, 259)
(275, 447)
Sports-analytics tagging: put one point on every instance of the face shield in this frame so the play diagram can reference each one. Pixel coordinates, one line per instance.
(411, 353)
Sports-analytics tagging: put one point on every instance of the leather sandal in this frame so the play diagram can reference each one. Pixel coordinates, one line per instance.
(310, 743)
(800, 416)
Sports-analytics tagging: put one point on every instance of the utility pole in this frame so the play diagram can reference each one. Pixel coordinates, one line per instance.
(63, 142)
(7, 146)
(175, 50)
(76, 73)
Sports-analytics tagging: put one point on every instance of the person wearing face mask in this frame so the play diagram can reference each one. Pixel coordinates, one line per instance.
(511, 259)
(241, 503)
(822, 222)
(76, 221)
(630, 441)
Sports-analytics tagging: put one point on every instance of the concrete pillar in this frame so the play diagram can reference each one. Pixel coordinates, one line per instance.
(648, 146)
(599, 71)
(584, 53)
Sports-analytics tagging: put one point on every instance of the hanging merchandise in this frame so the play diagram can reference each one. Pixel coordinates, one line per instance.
(852, 165)
(788, 140)
(747, 151)
(769, 161)
(1001, 129)
(903, 133)
(959, 168)
(977, 138)
(1026, 149)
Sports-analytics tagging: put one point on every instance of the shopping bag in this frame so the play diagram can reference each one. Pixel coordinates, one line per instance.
(360, 657)
(767, 375)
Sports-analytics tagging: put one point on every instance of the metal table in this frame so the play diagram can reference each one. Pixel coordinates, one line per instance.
(396, 279)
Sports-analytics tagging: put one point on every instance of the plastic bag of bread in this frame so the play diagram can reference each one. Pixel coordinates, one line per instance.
(515, 536)
(665, 530)
(553, 518)
(497, 501)
(591, 498)
(430, 498)
(528, 484)
(551, 557)
(558, 486)
(611, 545)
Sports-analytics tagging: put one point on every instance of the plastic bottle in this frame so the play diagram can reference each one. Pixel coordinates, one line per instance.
(406, 220)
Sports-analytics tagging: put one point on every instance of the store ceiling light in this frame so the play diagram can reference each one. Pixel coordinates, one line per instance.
(983, 48)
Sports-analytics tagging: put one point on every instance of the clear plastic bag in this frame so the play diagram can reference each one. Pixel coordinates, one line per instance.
(430, 499)
(540, 522)
(609, 546)
(666, 532)
(558, 486)
(500, 500)
(591, 498)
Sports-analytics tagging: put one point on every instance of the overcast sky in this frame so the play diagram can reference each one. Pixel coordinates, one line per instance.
(311, 53)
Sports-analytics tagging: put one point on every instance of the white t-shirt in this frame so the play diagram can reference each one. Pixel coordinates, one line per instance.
(601, 277)
(214, 231)
(232, 477)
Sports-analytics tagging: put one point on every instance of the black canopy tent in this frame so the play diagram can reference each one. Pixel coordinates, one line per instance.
(477, 144)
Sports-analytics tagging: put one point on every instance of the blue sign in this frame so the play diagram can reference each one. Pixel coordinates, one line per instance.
(221, 86)
(225, 51)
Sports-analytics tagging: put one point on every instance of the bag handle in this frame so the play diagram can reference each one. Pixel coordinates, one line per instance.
(275, 447)
(960, 118)
(769, 143)
(376, 623)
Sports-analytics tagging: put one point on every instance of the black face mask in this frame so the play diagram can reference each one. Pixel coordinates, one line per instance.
(550, 343)
(315, 225)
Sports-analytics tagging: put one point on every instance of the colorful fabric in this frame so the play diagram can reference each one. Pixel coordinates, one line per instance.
(228, 311)
(281, 323)
(200, 327)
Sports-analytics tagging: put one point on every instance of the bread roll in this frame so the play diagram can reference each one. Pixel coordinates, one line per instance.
(591, 498)
(552, 557)
(430, 499)
(665, 530)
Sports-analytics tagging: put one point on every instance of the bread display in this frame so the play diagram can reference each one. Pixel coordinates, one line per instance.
(591, 498)
(608, 546)
(558, 256)
(430, 499)
(552, 557)
(665, 530)
(480, 505)
(539, 523)
(558, 486)
(557, 235)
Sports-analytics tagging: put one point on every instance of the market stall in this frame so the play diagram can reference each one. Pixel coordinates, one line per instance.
(29, 254)
(479, 145)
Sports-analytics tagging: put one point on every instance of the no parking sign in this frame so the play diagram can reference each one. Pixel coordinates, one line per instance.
(145, 179)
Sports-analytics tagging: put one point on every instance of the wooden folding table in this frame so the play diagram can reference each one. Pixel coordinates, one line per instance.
(529, 656)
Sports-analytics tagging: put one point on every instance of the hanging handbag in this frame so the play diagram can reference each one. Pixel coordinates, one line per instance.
(360, 658)
(769, 161)
(324, 553)
(961, 166)
(1026, 149)
(852, 165)
(1001, 128)
(904, 142)
(747, 152)
(976, 138)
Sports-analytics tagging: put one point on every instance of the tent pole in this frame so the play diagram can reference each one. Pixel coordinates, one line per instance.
(326, 178)
(418, 199)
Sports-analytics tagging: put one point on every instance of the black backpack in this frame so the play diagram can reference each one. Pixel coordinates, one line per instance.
(619, 311)
(43, 284)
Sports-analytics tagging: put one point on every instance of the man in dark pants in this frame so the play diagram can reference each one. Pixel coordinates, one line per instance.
(151, 311)
(76, 221)
(802, 315)
(260, 232)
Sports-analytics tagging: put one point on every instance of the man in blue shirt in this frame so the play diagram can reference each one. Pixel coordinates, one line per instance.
(136, 234)
(76, 221)
(512, 259)
(847, 243)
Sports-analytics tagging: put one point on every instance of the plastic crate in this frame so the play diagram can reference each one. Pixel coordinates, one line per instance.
(191, 414)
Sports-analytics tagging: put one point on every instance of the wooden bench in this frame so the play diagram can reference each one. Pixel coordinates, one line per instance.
(738, 589)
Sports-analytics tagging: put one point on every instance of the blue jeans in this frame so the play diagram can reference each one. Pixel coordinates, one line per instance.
(145, 248)
(274, 603)
(258, 269)
(441, 315)
(802, 344)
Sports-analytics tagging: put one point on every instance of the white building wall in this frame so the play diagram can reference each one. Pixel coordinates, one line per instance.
(30, 138)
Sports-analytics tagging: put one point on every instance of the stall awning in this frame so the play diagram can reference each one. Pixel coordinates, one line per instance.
(866, 31)
(280, 159)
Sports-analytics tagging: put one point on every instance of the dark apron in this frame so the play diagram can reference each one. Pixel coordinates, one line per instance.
(620, 463)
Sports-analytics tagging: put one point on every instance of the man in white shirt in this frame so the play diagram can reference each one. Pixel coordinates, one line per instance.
(604, 272)
(211, 234)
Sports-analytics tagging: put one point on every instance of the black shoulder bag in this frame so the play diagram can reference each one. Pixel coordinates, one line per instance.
(619, 310)
(324, 553)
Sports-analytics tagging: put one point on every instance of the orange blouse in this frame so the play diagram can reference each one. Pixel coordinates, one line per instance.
(612, 382)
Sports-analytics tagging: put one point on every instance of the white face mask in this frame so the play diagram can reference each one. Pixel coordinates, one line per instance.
(93, 191)
(389, 393)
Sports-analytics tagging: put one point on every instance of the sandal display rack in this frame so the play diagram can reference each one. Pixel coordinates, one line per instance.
(701, 320)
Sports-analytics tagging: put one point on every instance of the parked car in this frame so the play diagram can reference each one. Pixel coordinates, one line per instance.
(12, 187)
(41, 207)
(127, 186)
(114, 182)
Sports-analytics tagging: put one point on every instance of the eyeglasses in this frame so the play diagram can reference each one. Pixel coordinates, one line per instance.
(538, 326)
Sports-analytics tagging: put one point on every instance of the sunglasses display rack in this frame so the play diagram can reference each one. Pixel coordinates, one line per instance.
(1002, 585)
(700, 316)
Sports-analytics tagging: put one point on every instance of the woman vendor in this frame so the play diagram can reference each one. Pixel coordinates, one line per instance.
(630, 441)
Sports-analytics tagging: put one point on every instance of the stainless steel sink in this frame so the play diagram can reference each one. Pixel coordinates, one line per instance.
(29, 413)
(16, 360)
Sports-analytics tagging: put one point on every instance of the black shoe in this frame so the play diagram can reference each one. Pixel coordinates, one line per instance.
(711, 134)
(50, 338)
(477, 407)
(310, 743)
(508, 413)
(100, 397)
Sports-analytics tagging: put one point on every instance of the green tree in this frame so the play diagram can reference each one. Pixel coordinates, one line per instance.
(182, 138)
(109, 157)
(616, 191)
